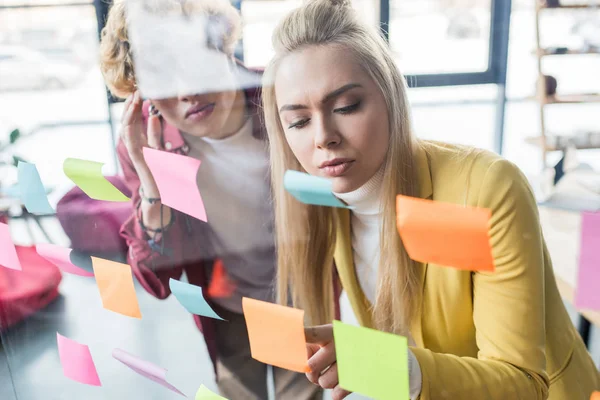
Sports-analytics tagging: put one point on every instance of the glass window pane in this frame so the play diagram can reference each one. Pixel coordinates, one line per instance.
(261, 17)
(440, 36)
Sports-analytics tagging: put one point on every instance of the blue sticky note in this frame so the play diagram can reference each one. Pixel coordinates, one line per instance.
(192, 299)
(311, 189)
(31, 189)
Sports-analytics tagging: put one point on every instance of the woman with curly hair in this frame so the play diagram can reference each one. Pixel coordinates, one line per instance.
(224, 130)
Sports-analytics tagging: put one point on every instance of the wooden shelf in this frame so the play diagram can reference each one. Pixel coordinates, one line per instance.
(571, 99)
(558, 143)
(579, 6)
(547, 52)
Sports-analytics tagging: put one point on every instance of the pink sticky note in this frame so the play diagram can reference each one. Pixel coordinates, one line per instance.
(145, 368)
(8, 253)
(61, 257)
(588, 280)
(76, 361)
(175, 176)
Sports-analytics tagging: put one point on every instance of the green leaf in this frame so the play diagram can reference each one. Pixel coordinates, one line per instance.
(15, 135)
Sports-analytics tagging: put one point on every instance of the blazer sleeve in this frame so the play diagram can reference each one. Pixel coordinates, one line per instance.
(508, 305)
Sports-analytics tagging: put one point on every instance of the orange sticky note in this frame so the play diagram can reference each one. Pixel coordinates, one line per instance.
(445, 234)
(276, 334)
(115, 284)
(595, 396)
(220, 285)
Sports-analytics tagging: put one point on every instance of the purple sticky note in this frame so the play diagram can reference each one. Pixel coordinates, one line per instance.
(175, 176)
(587, 295)
(76, 361)
(145, 368)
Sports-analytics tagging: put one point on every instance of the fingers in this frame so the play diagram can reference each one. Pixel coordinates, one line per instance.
(320, 362)
(154, 132)
(131, 110)
(329, 379)
(320, 334)
(338, 393)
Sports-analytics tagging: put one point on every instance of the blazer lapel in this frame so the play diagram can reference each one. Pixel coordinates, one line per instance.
(425, 192)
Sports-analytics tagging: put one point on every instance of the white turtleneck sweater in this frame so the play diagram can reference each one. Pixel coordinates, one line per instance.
(366, 227)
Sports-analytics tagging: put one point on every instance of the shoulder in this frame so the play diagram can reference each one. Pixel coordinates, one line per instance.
(471, 173)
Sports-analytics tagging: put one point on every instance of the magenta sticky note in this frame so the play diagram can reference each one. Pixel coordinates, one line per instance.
(61, 257)
(587, 295)
(77, 361)
(8, 252)
(175, 176)
(145, 368)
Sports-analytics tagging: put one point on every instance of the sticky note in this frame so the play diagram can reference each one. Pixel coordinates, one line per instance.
(191, 297)
(145, 368)
(276, 334)
(77, 362)
(204, 394)
(61, 257)
(115, 284)
(8, 253)
(446, 234)
(220, 284)
(595, 396)
(31, 190)
(175, 176)
(88, 176)
(371, 362)
(168, 45)
(311, 189)
(588, 275)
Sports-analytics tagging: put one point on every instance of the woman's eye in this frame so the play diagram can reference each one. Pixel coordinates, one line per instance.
(348, 109)
(298, 124)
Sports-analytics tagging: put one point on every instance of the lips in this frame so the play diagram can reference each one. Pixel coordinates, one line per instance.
(336, 167)
(199, 108)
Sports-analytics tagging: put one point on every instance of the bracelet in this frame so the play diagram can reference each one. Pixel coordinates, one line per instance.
(150, 200)
(163, 228)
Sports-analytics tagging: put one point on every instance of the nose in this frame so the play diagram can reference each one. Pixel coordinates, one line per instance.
(326, 135)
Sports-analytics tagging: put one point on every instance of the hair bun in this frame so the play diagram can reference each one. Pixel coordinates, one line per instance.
(341, 3)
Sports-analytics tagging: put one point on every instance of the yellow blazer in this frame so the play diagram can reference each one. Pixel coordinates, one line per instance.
(504, 335)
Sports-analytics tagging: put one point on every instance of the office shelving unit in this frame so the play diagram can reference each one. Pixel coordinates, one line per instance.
(559, 142)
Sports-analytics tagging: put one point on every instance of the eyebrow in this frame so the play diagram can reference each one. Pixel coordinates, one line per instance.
(328, 97)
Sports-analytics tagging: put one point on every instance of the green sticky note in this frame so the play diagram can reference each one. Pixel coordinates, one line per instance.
(371, 362)
(88, 176)
(204, 394)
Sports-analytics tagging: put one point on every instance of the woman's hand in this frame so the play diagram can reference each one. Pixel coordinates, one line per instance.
(132, 130)
(132, 134)
(322, 359)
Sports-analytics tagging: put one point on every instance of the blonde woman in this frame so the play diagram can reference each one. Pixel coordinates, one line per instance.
(338, 110)
(224, 130)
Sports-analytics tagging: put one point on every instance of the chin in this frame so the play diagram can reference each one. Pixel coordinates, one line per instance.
(343, 185)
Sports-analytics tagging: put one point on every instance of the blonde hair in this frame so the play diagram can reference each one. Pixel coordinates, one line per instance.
(306, 234)
(116, 60)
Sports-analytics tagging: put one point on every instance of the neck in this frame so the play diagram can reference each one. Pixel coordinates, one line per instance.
(236, 119)
(367, 198)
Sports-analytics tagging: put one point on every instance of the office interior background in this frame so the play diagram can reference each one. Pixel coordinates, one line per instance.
(478, 71)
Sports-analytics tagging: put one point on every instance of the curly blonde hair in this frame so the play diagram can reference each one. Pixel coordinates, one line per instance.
(116, 59)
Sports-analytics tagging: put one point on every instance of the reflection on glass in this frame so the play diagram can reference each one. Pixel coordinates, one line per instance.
(440, 36)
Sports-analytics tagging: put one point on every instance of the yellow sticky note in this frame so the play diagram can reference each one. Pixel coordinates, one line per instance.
(371, 362)
(88, 176)
(204, 394)
(276, 334)
(115, 284)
